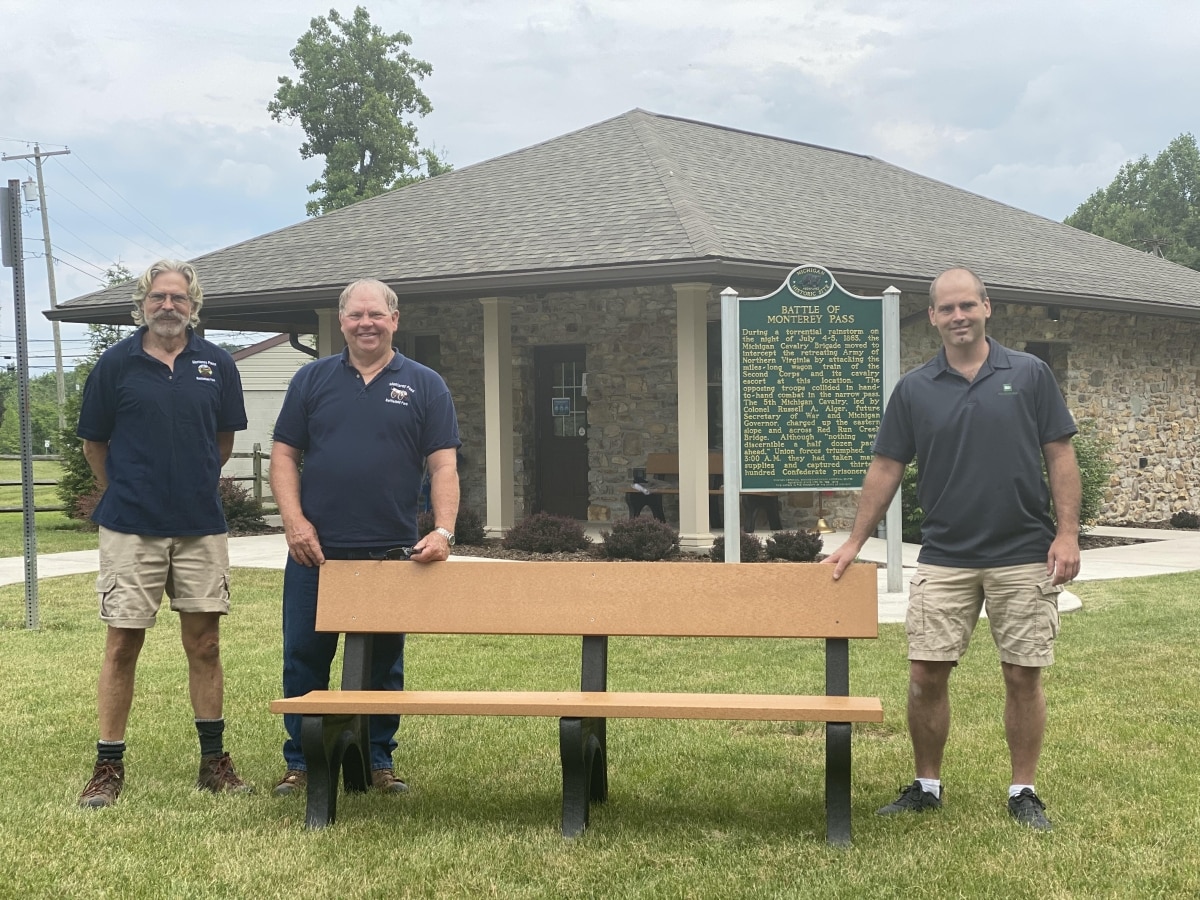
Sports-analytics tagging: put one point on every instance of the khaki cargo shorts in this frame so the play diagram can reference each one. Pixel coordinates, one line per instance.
(944, 605)
(136, 570)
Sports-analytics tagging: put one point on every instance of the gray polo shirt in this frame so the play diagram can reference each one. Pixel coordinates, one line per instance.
(978, 447)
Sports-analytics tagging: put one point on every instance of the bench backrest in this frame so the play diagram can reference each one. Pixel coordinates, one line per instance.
(668, 464)
(686, 599)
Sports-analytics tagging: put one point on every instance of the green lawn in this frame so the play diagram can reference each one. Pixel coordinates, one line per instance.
(55, 532)
(696, 809)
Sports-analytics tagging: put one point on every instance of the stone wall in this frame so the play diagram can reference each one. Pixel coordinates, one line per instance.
(1136, 377)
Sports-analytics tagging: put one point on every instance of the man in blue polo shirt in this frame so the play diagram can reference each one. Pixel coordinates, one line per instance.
(364, 423)
(157, 422)
(979, 419)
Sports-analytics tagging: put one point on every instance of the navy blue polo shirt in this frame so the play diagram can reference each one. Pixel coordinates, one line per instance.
(978, 447)
(364, 446)
(161, 428)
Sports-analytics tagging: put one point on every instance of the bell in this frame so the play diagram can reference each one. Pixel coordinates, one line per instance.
(823, 526)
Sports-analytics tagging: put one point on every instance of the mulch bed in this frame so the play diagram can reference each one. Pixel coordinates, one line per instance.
(493, 550)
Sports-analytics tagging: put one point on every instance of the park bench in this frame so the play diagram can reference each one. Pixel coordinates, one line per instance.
(660, 466)
(592, 601)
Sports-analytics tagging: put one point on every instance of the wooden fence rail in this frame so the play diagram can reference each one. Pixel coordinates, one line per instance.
(257, 477)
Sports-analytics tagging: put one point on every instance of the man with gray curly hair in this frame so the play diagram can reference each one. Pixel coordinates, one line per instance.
(159, 412)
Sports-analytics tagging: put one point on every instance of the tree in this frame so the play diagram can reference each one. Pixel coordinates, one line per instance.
(355, 87)
(77, 481)
(1151, 205)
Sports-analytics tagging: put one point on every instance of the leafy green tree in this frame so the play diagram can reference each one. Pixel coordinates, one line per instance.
(356, 86)
(1151, 205)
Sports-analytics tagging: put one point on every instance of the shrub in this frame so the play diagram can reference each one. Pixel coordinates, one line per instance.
(794, 546)
(468, 527)
(83, 505)
(751, 548)
(243, 513)
(1095, 470)
(911, 514)
(1185, 519)
(545, 533)
(641, 538)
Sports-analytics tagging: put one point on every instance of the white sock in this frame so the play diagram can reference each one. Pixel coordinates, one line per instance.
(932, 786)
(1014, 789)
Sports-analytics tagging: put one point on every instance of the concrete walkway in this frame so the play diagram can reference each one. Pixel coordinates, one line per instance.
(1164, 552)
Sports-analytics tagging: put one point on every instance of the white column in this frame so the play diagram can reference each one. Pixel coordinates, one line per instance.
(691, 306)
(330, 339)
(498, 414)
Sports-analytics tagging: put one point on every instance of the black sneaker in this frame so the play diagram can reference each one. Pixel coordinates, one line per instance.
(913, 798)
(1028, 809)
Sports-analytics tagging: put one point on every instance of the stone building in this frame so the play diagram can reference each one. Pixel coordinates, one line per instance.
(587, 269)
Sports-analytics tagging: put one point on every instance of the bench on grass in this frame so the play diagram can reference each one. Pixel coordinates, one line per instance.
(593, 601)
(666, 465)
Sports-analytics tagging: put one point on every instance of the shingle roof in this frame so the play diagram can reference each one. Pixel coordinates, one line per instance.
(651, 197)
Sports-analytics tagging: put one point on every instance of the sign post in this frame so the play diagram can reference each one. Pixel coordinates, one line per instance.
(10, 239)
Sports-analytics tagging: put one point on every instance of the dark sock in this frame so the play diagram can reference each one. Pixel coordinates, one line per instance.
(211, 733)
(110, 751)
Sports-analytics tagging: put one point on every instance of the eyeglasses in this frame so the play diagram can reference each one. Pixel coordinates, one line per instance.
(158, 299)
(394, 553)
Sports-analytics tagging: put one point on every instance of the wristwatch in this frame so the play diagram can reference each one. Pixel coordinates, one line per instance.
(447, 534)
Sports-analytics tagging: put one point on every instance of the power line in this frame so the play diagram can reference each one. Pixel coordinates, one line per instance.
(62, 196)
(174, 240)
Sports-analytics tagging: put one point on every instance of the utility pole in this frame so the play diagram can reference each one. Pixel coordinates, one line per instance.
(36, 156)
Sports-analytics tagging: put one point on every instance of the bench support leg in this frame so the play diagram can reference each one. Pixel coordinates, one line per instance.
(333, 745)
(581, 744)
(837, 783)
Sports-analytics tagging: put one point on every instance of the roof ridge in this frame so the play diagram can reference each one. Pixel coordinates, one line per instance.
(693, 217)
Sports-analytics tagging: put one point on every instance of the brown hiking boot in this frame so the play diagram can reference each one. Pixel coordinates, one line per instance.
(218, 776)
(293, 782)
(105, 787)
(385, 780)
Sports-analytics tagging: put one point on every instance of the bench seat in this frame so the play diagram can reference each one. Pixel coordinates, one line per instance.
(610, 704)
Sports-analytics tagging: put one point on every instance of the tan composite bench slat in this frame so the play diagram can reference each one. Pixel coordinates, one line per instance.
(609, 704)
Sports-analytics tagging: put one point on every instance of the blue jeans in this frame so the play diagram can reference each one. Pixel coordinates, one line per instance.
(308, 654)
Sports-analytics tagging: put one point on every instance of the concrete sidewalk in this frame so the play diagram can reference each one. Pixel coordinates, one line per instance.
(1162, 553)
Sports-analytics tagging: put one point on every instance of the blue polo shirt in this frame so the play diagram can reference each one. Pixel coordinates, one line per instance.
(161, 428)
(978, 446)
(364, 446)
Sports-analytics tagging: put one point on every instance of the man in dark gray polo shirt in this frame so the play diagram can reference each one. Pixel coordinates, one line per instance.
(979, 419)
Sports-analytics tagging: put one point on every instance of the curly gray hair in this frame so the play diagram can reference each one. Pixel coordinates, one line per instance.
(195, 292)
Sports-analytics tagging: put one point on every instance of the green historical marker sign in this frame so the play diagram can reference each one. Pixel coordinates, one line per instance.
(811, 384)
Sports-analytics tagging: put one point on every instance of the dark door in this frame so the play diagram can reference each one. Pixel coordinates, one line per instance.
(560, 419)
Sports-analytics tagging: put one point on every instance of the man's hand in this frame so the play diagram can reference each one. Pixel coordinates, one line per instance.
(1062, 562)
(303, 544)
(434, 547)
(842, 557)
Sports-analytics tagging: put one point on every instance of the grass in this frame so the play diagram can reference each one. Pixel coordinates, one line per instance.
(55, 532)
(696, 809)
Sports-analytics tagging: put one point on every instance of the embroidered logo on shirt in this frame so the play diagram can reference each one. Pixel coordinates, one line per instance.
(399, 393)
(1009, 389)
(204, 370)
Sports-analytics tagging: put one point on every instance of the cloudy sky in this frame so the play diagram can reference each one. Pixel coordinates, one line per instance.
(1035, 103)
